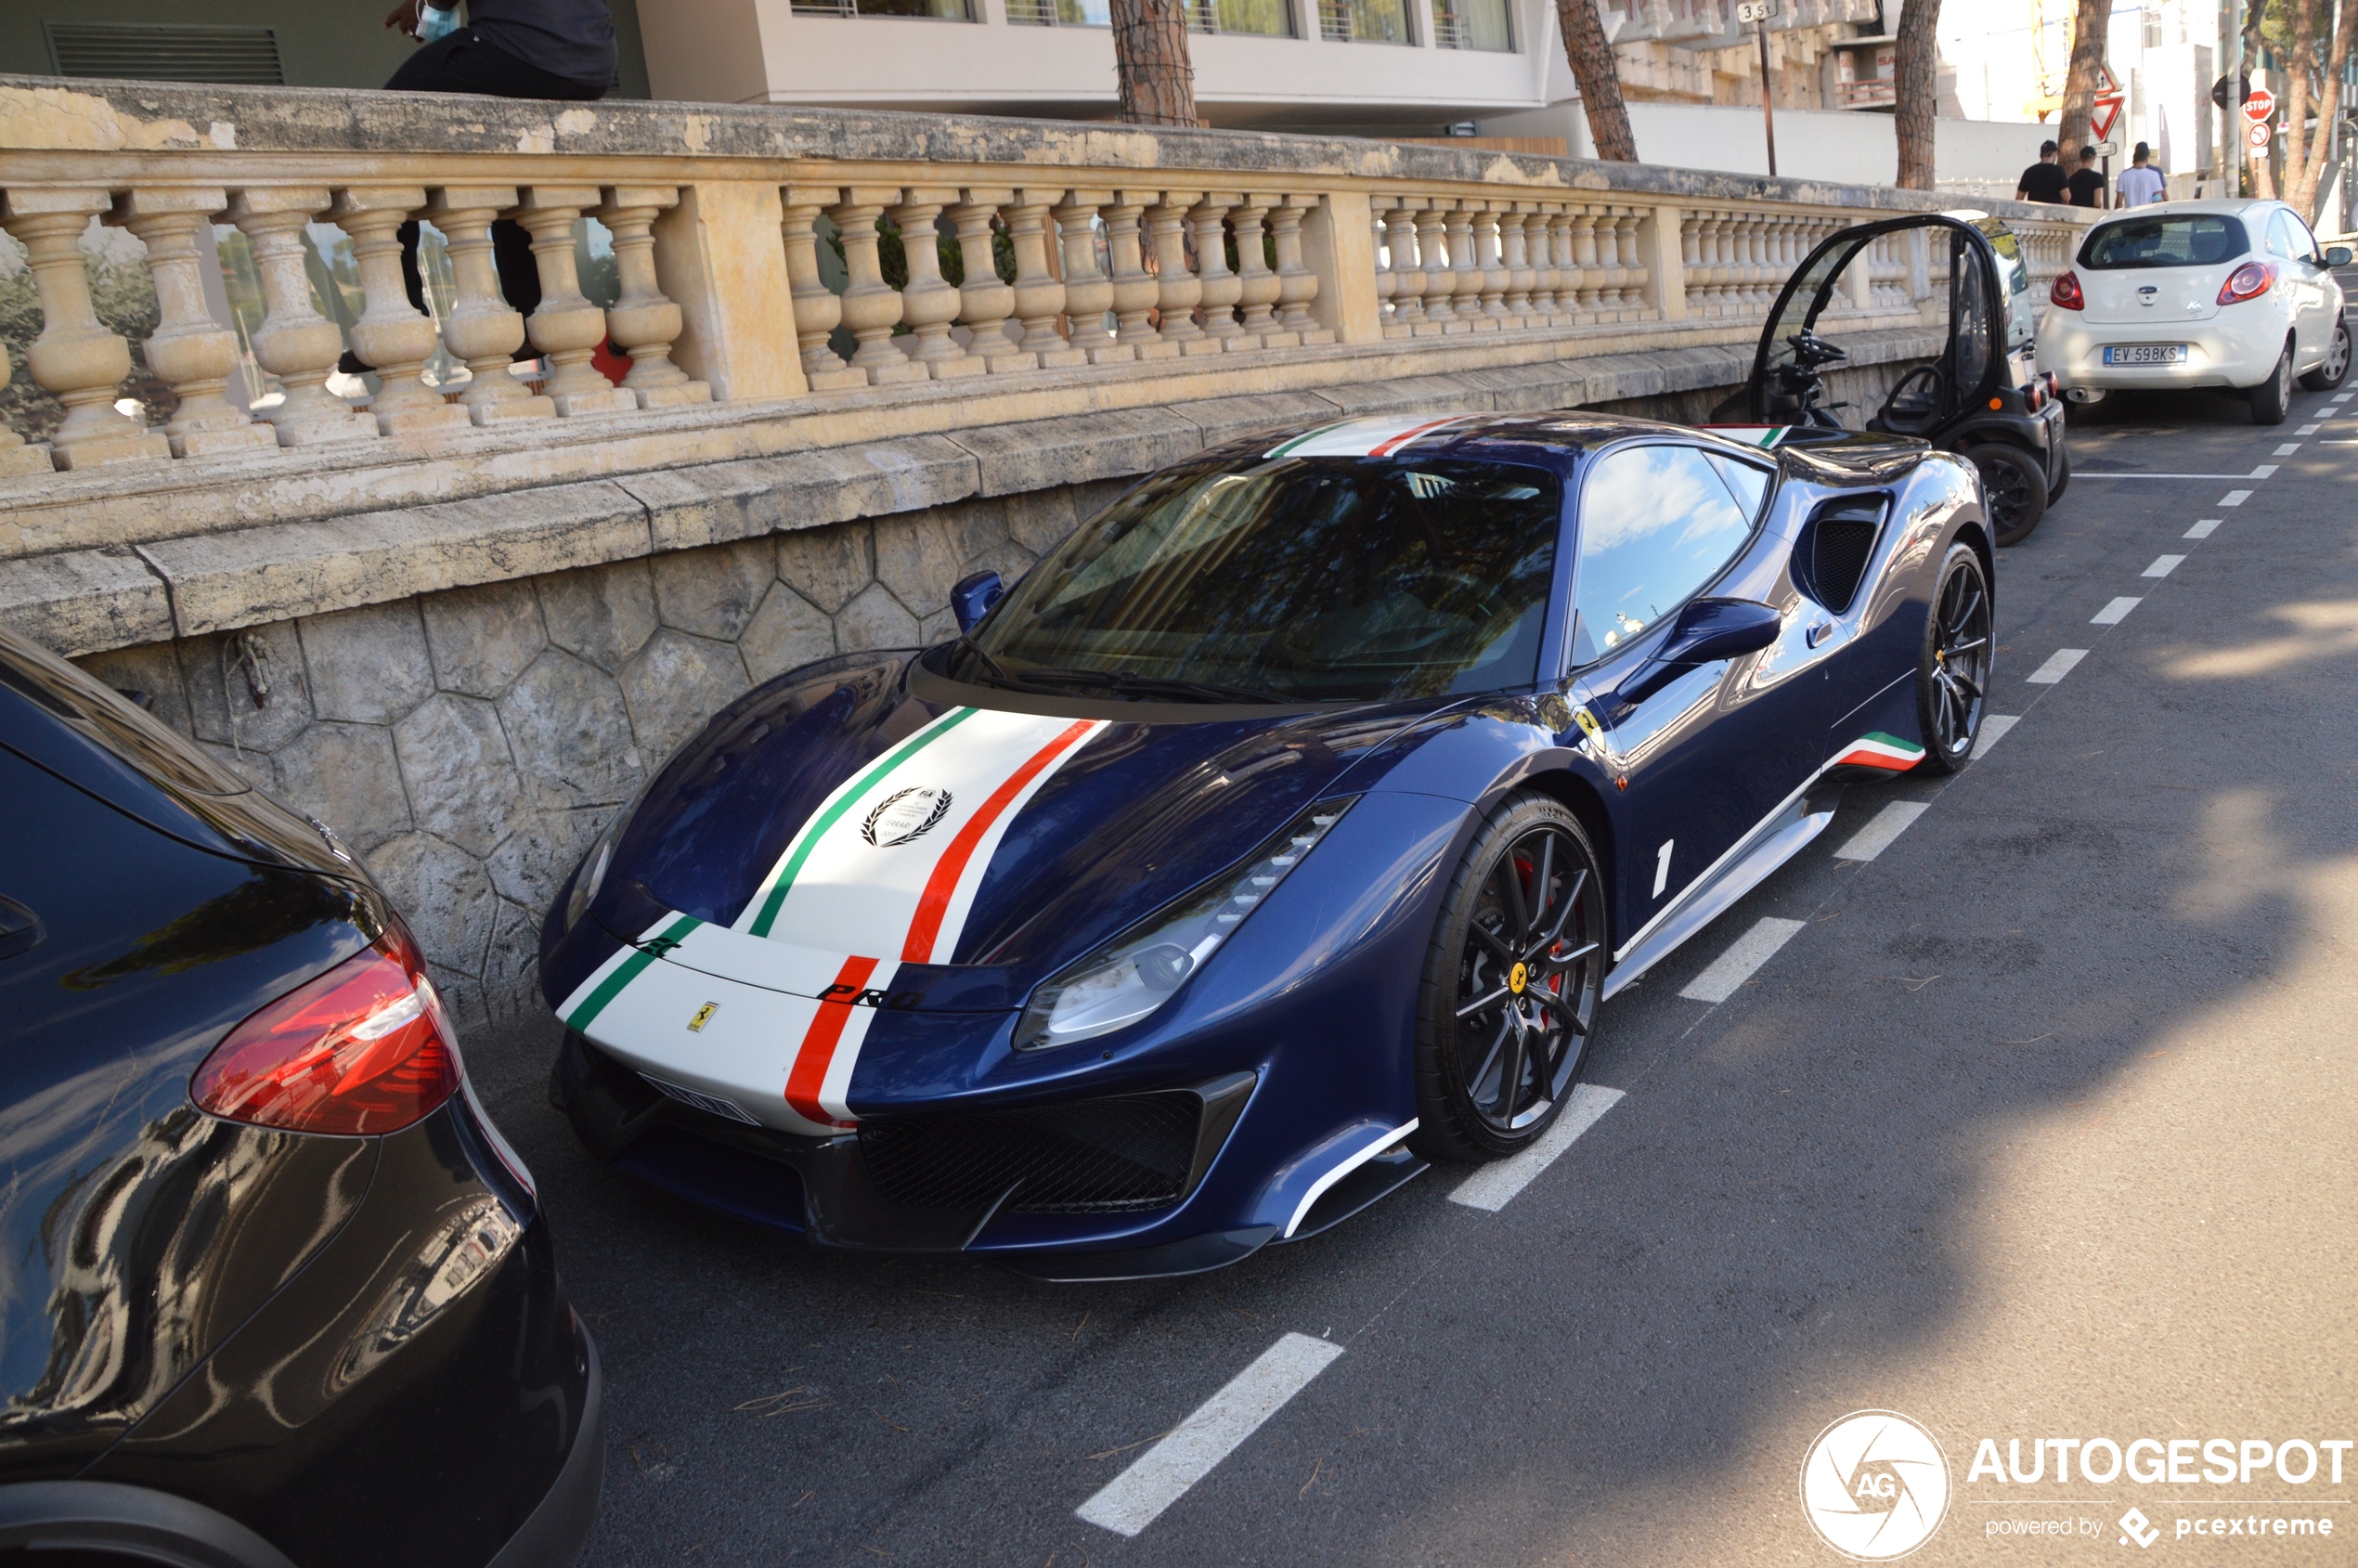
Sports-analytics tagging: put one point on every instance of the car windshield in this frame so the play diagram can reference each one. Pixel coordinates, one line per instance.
(2187, 239)
(1293, 579)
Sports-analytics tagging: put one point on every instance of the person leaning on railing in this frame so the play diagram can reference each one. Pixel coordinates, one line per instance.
(506, 50)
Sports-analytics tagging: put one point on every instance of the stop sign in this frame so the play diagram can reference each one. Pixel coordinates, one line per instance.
(2261, 105)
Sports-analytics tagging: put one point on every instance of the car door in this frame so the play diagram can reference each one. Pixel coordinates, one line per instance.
(1698, 756)
(2305, 273)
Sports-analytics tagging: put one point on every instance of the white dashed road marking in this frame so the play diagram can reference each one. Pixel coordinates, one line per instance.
(2234, 497)
(1493, 1186)
(2288, 448)
(2058, 665)
(2203, 529)
(1733, 968)
(2163, 565)
(2309, 430)
(2116, 611)
(1194, 1449)
(1993, 729)
(1876, 837)
(2264, 471)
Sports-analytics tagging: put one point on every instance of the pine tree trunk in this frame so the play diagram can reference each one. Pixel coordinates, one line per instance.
(2298, 94)
(1918, 91)
(1592, 66)
(2306, 178)
(1156, 81)
(2088, 22)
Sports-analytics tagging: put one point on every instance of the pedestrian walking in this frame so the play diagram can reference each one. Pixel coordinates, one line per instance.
(2140, 184)
(2086, 182)
(2043, 181)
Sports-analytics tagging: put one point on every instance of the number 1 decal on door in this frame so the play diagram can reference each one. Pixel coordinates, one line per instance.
(1662, 867)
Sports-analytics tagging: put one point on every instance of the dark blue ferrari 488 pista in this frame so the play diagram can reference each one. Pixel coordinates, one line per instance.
(1281, 831)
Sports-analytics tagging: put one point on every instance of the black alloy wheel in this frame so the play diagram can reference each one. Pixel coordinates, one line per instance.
(1511, 984)
(1953, 676)
(2013, 485)
(2334, 368)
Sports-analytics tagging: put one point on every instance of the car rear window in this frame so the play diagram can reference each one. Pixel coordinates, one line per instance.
(2186, 240)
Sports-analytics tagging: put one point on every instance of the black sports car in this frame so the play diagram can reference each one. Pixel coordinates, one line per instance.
(274, 1290)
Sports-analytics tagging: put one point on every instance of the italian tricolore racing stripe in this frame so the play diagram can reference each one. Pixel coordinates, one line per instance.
(883, 873)
(1879, 750)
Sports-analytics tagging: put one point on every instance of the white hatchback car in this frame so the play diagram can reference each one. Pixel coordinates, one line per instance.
(2200, 295)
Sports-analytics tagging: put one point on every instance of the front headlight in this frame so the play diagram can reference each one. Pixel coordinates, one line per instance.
(595, 864)
(1135, 973)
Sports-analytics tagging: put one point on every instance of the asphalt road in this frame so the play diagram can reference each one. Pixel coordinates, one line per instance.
(2039, 1124)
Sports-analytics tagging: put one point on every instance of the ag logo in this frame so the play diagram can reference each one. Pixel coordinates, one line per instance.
(905, 814)
(1874, 1486)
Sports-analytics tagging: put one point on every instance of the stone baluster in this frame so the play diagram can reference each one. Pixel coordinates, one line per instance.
(1490, 226)
(1089, 293)
(1763, 266)
(1465, 267)
(1222, 286)
(1612, 286)
(392, 337)
(1514, 248)
(1261, 285)
(295, 343)
(1387, 277)
(987, 303)
(75, 357)
(1635, 273)
(1560, 223)
(1039, 292)
(1441, 284)
(817, 310)
(1408, 271)
(1177, 291)
(19, 457)
(871, 305)
(928, 302)
(1583, 251)
(482, 330)
(1539, 239)
(1297, 285)
(1723, 264)
(565, 328)
(644, 321)
(189, 352)
(1134, 289)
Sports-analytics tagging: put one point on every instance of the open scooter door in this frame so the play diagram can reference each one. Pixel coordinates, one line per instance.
(1920, 326)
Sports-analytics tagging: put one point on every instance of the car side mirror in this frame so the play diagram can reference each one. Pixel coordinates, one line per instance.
(1706, 631)
(2336, 255)
(971, 598)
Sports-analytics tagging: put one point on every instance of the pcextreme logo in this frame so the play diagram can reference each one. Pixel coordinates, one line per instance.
(1874, 1486)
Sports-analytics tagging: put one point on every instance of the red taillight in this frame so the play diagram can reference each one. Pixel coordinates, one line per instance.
(2067, 293)
(365, 1048)
(2247, 282)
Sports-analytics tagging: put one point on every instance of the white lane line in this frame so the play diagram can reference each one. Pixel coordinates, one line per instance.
(1493, 1186)
(2264, 471)
(1162, 1474)
(2113, 612)
(2058, 665)
(2234, 497)
(2288, 448)
(1733, 968)
(2309, 430)
(2203, 529)
(1993, 729)
(1876, 837)
(2339, 397)
(2163, 565)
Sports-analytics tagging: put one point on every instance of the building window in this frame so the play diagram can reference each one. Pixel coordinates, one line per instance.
(1363, 21)
(1060, 13)
(1265, 18)
(2153, 27)
(932, 10)
(1472, 24)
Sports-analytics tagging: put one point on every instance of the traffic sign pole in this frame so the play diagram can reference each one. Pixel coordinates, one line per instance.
(1758, 13)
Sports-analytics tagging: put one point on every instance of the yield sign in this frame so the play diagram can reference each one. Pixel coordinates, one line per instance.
(2107, 110)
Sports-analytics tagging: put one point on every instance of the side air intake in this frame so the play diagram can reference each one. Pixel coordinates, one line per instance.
(1836, 546)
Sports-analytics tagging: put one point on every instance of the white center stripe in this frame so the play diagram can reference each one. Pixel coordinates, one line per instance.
(2309, 430)
(1733, 968)
(1161, 1477)
(2058, 665)
(2163, 565)
(1876, 837)
(1993, 729)
(2113, 612)
(2204, 529)
(2288, 448)
(1493, 1186)
(2234, 497)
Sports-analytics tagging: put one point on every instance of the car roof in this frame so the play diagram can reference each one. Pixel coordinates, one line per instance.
(1552, 438)
(2224, 206)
